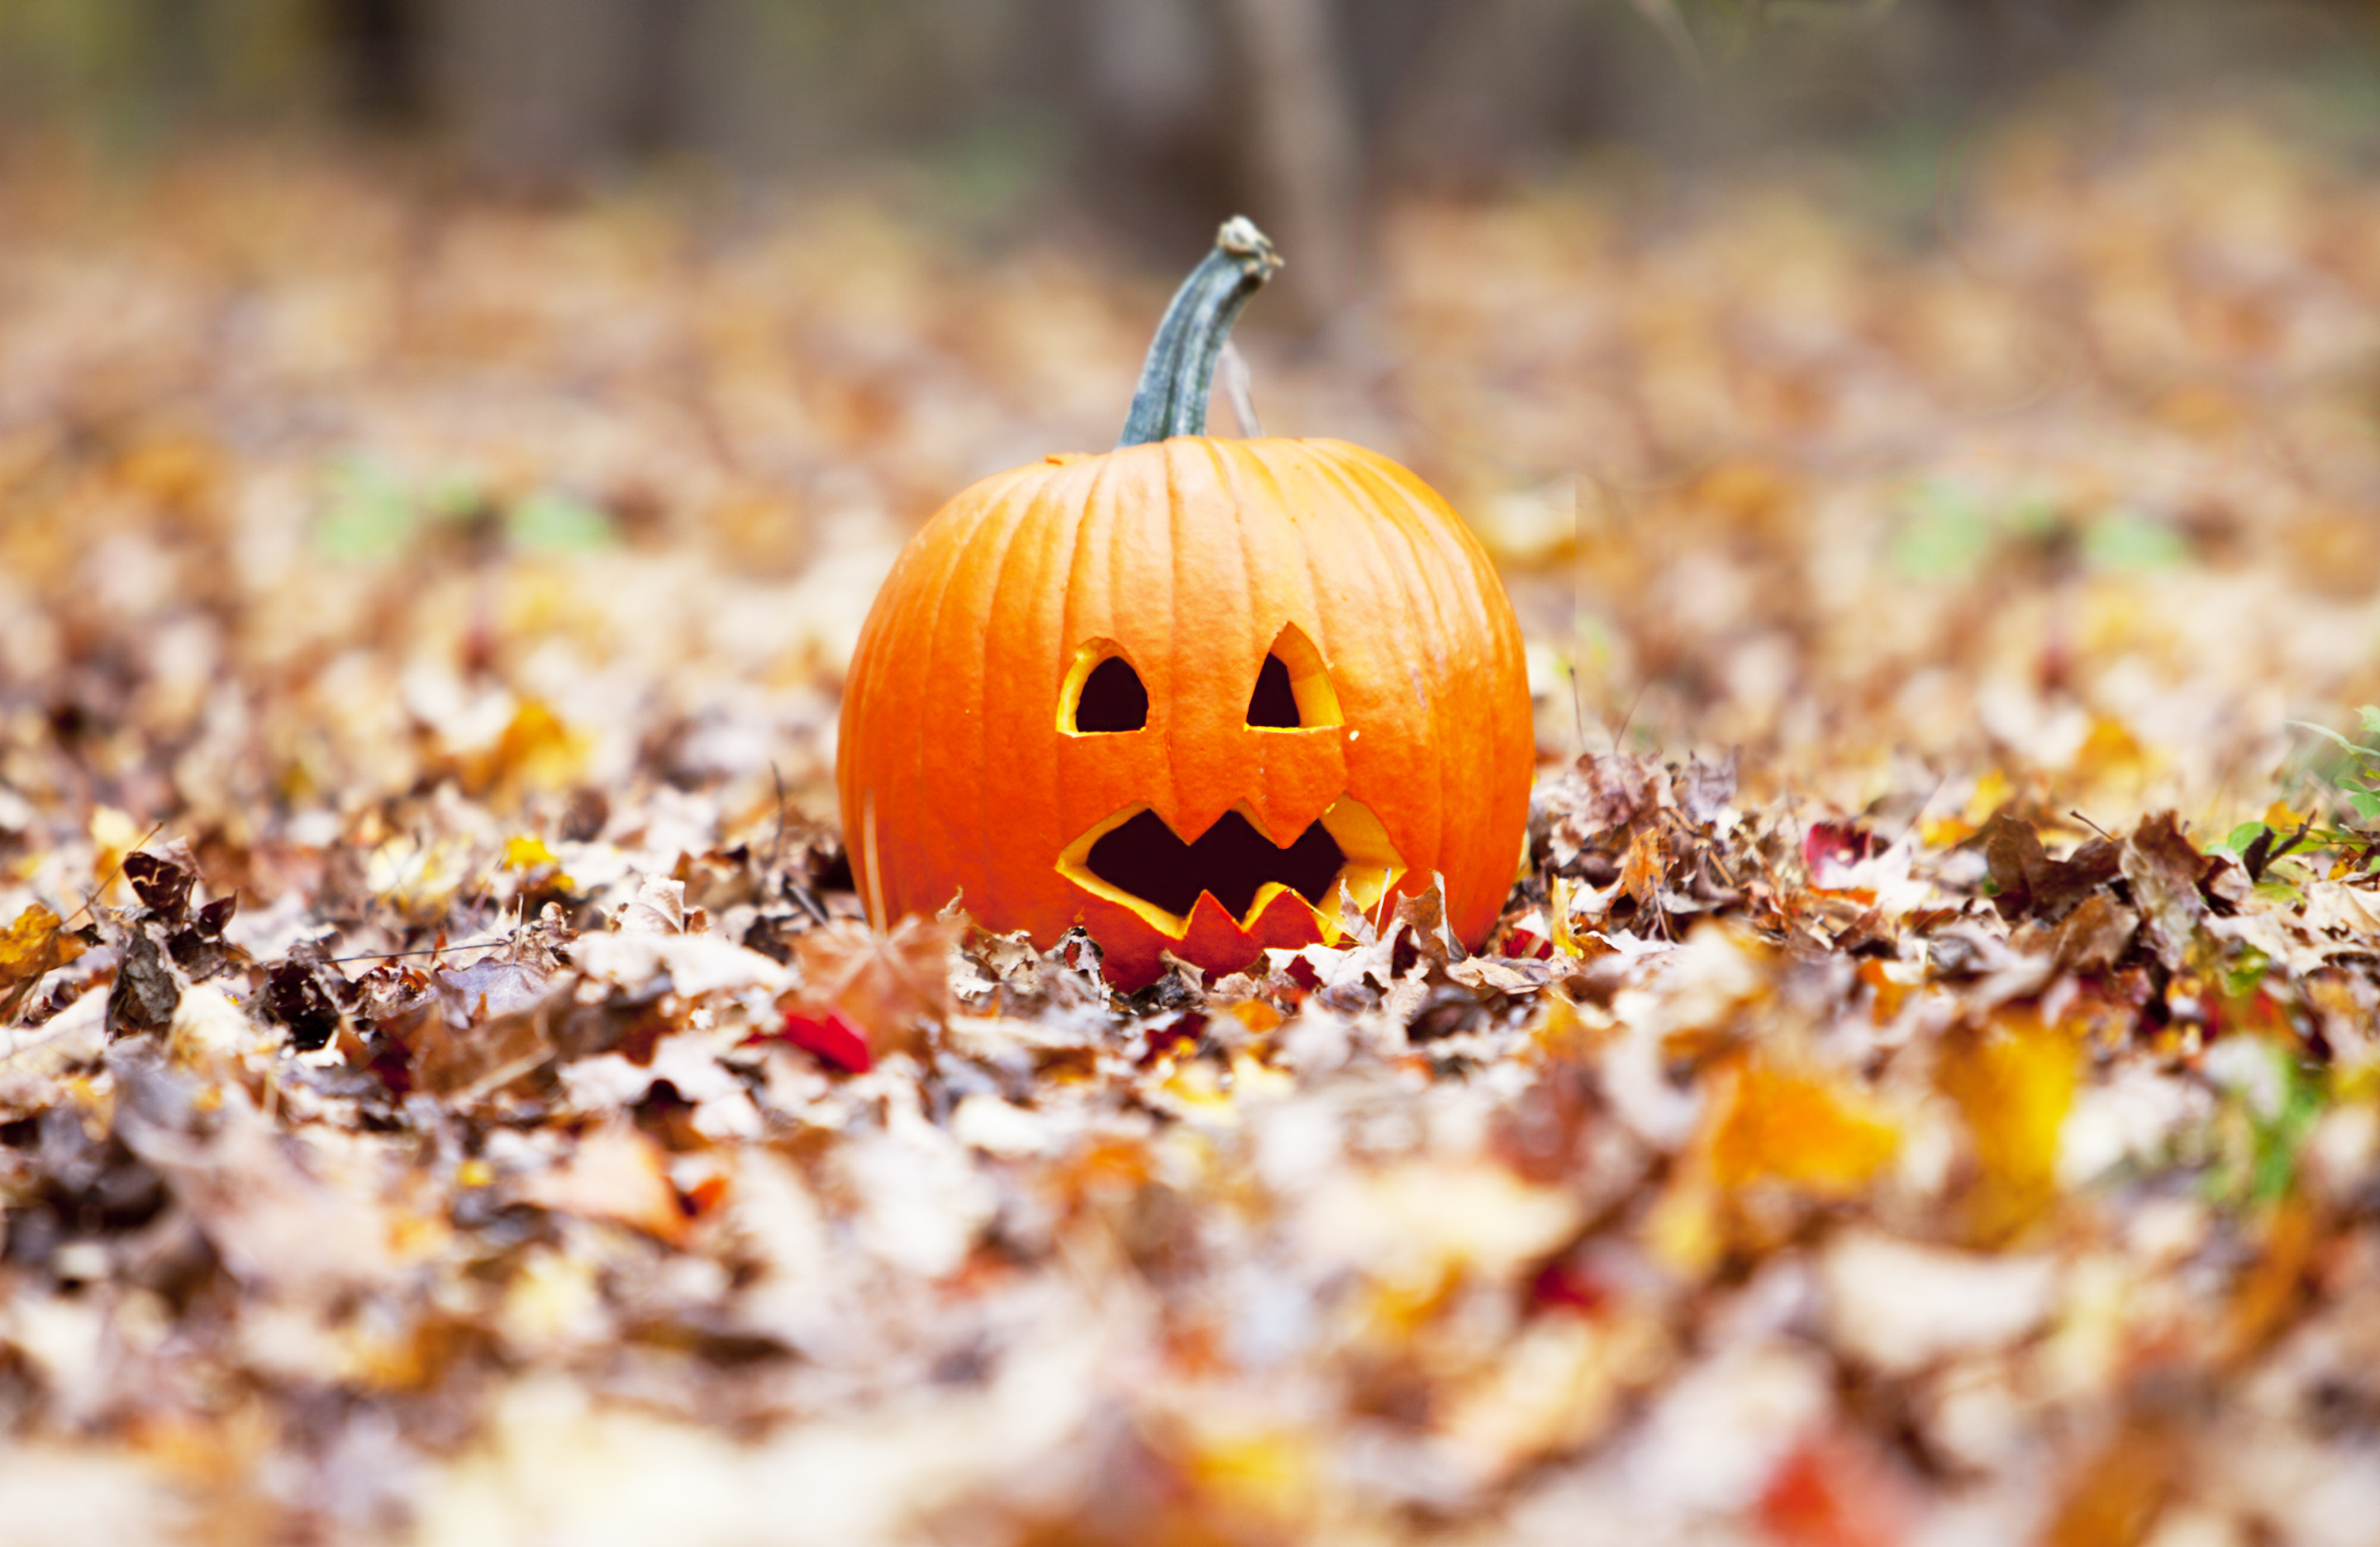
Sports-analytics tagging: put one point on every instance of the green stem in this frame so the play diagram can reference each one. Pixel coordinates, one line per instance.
(1172, 397)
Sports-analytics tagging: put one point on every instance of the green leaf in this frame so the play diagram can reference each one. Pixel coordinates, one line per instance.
(2244, 972)
(2122, 541)
(2239, 837)
(370, 514)
(2366, 804)
(1948, 533)
(552, 523)
(2371, 720)
(2326, 731)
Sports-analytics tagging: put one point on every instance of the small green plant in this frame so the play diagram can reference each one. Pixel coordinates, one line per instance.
(2349, 772)
(2357, 778)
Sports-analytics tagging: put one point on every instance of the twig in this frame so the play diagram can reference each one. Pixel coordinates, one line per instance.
(777, 843)
(1619, 736)
(91, 899)
(424, 951)
(2092, 825)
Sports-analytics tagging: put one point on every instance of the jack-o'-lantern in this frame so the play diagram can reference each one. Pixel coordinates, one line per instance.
(1198, 694)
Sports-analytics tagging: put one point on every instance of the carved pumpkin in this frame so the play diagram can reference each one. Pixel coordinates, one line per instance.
(1197, 694)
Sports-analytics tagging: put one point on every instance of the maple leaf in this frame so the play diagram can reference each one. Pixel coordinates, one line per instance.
(891, 983)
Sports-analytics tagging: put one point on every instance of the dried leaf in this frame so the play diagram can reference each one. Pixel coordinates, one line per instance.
(33, 945)
(618, 1175)
(146, 988)
(2164, 870)
(2031, 884)
(892, 984)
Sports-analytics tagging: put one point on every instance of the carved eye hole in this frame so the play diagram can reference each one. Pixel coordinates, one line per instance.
(1292, 691)
(1274, 703)
(1112, 699)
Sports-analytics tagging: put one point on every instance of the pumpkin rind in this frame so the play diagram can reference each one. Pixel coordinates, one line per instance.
(1190, 555)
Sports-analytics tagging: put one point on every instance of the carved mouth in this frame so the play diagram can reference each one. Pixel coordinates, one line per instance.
(1134, 858)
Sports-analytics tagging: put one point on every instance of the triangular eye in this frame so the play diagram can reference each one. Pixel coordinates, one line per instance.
(1113, 699)
(1274, 703)
(1292, 691)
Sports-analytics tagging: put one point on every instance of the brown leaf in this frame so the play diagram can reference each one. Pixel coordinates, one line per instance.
(161, 883)
(2095, 936)
(2029, 882)
(146, 988)
(1647, 863)
(1601, 795)
(485, 1026)
(2164, 870)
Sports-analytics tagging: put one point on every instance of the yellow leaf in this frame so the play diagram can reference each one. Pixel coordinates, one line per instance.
(114, 834)
(1269, 1473)
(1803, 1129)
(34, 945)
(2111, 752)
(2014, 1086)
(1992, 792)
(527, 853)
(536, 751)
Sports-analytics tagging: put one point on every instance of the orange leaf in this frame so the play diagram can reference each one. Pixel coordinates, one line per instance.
(1802, 1129)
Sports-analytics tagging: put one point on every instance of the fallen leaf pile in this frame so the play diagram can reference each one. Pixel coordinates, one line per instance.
(1924, 1088)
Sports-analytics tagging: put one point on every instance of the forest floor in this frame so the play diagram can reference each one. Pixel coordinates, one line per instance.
(1925, 1090)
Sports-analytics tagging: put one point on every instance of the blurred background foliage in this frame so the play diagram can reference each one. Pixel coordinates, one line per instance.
(1144, 117)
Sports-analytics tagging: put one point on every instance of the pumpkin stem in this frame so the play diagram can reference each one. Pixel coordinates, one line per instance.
(1179, 371)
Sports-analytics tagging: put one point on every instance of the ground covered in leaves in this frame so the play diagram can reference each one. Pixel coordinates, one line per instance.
(1923, 1089)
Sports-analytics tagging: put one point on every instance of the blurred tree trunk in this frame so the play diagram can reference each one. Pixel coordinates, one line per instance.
(376, 59)
(544, 92)
(1303, 142)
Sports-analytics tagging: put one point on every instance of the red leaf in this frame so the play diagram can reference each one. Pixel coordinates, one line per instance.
(1827, 1495)
(831, 1036)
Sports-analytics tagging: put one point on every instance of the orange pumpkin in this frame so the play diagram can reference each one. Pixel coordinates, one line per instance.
(1197, 694)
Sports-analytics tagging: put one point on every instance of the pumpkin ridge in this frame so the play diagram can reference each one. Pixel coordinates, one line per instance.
(1172, 621)
(922, 629)
(1497, 641)
(1447, 541)
(996, 603)
(909, 766)
(1375, 514)
(1049, 540)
